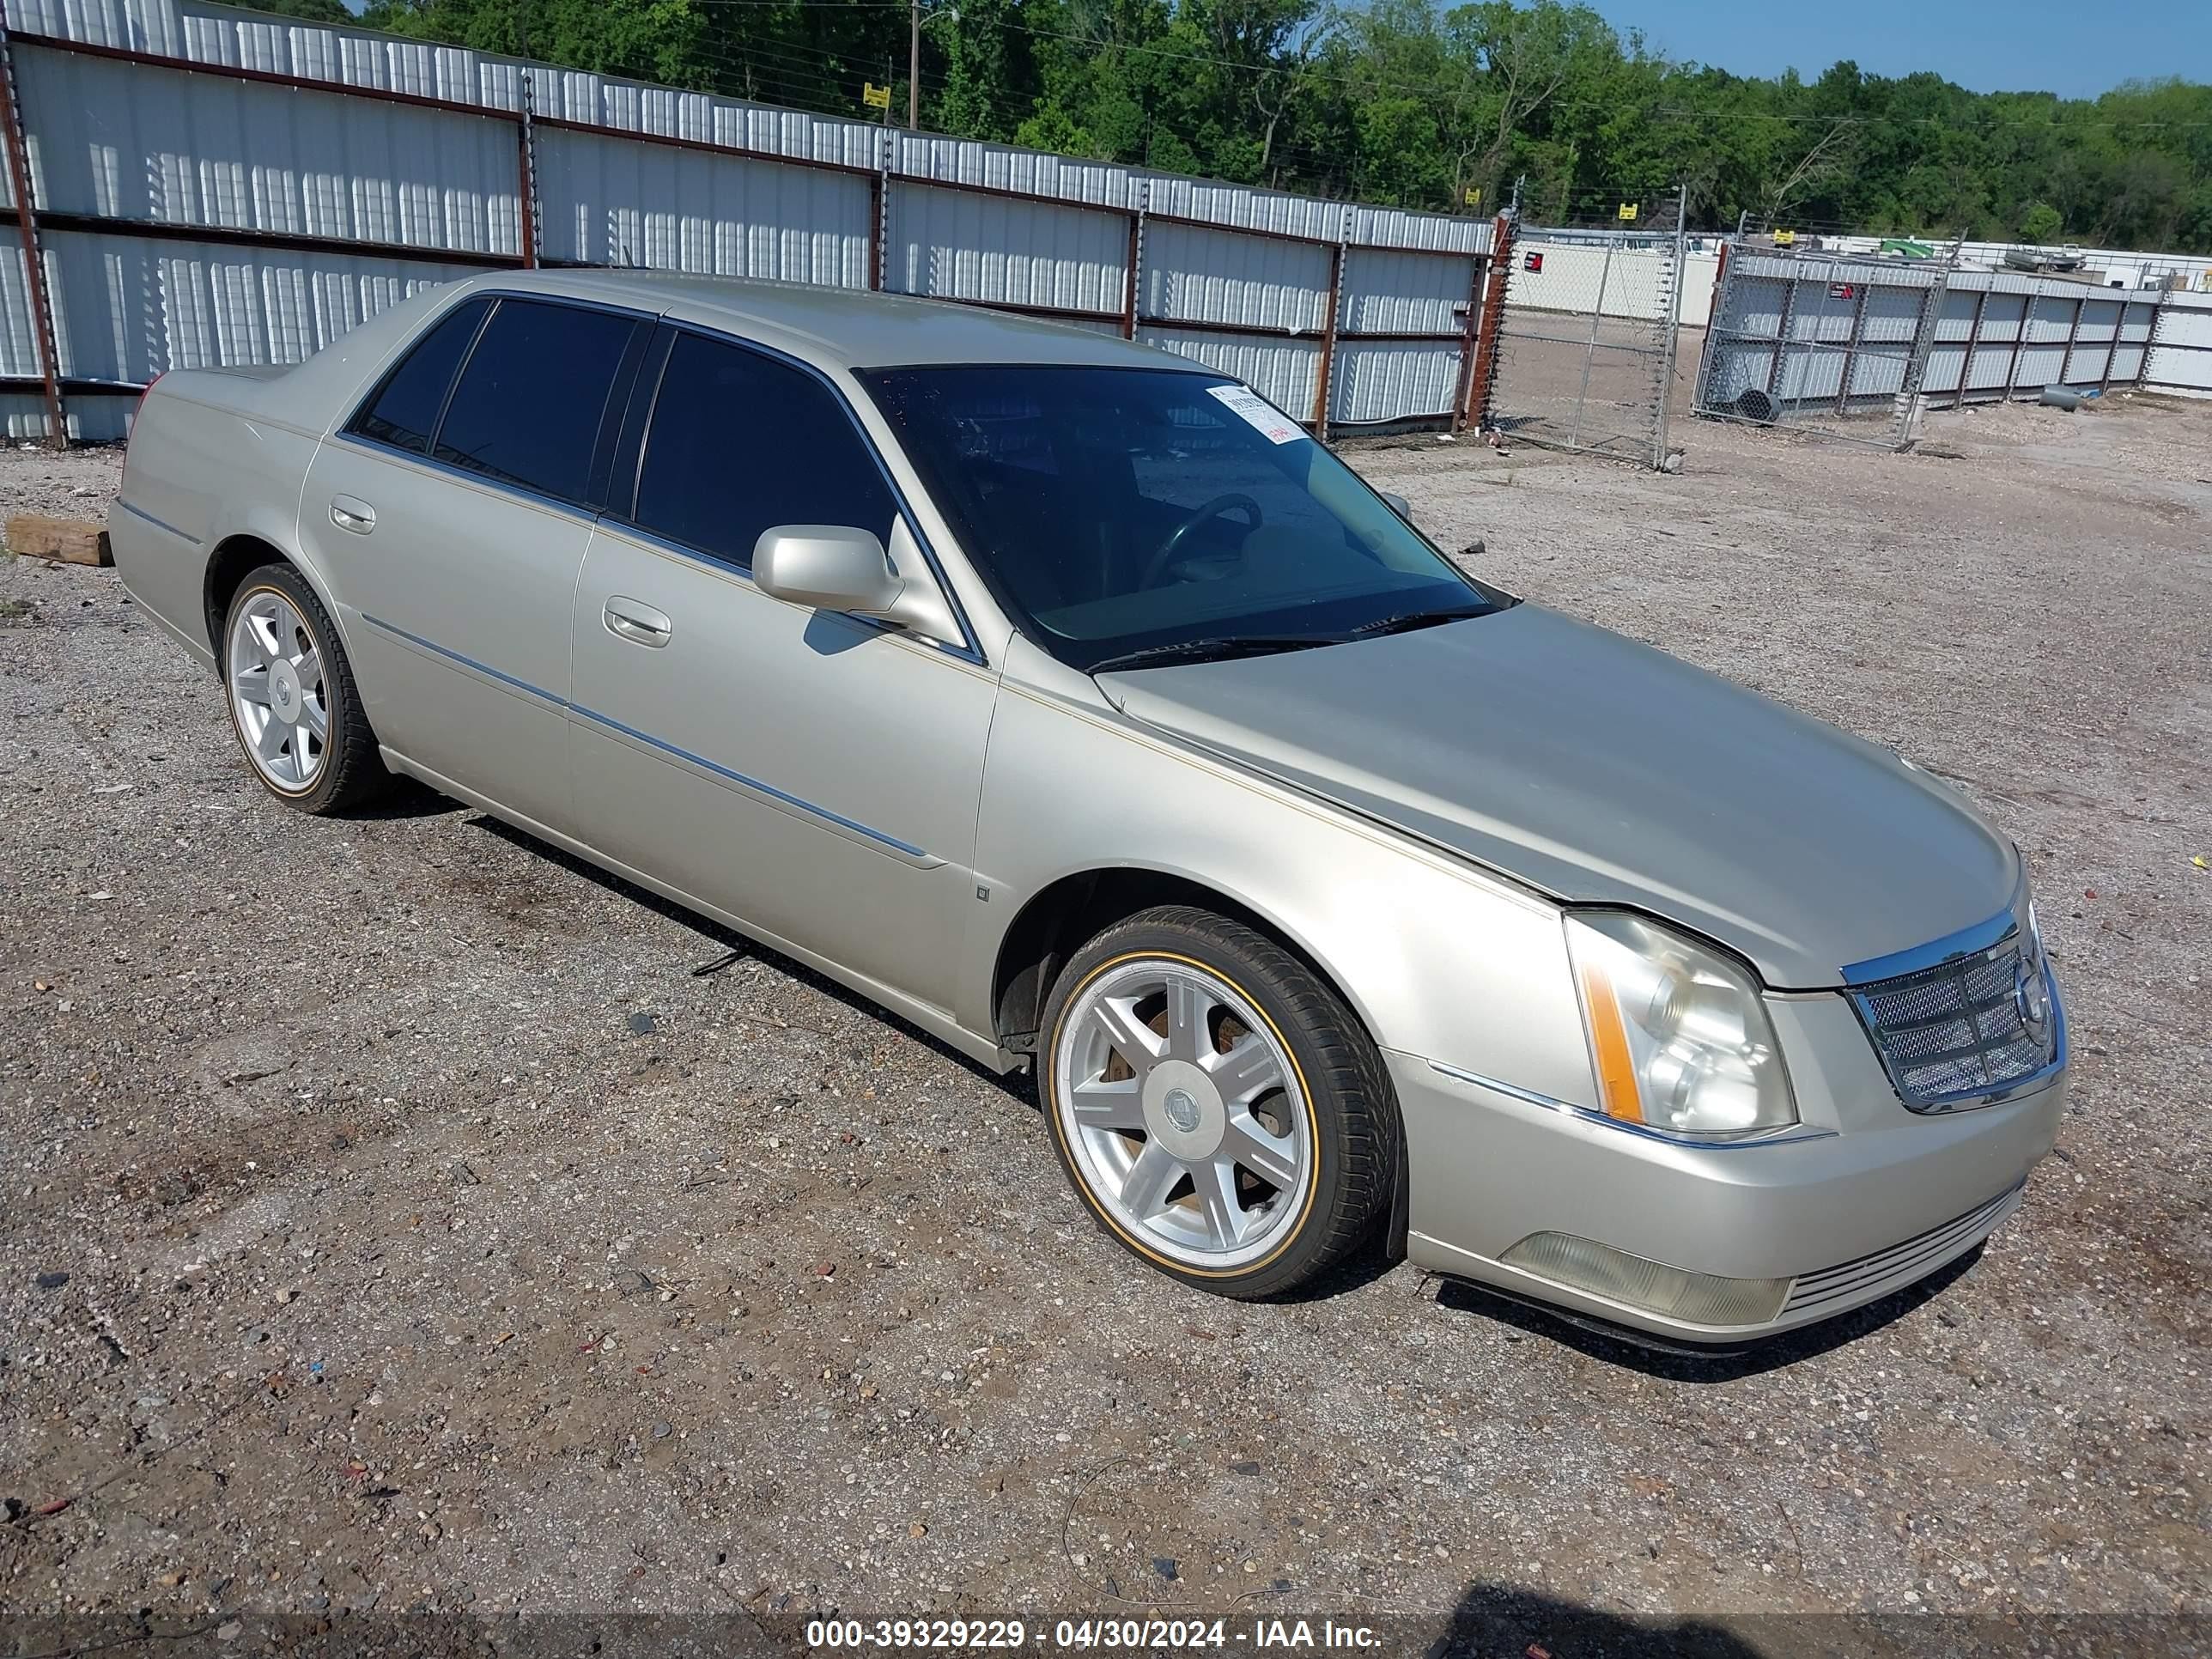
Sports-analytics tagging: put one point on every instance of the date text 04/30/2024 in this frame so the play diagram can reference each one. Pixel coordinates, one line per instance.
(1165, 1635)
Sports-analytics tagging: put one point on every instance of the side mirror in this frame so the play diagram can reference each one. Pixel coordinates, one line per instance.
(838, 567)
(1399, 504)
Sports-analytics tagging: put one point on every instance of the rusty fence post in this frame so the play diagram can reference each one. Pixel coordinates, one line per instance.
(1328, 339)
(1131, 276)
(526, 147)
(27, 227)
(1469, 328)
(1483, 381)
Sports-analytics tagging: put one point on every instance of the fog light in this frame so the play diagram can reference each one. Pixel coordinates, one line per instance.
(1583, 1264)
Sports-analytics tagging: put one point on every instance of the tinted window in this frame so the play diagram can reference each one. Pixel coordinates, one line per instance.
(1120, 511)
(404, 411)
(740, 442)
(532, 394)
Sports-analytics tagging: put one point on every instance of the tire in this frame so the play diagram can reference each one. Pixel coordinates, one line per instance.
(1252, 1144)
(276, 706)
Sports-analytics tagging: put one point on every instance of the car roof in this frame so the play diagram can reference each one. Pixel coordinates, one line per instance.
(845, 328)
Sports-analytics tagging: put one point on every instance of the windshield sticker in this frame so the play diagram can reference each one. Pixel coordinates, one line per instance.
(1268, 422)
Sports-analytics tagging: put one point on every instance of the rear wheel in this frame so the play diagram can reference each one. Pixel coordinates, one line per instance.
(1215, 1104)
(291, 695)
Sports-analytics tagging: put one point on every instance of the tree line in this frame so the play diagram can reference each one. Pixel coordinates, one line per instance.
(1404, 103)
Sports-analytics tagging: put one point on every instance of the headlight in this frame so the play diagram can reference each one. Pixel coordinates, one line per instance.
(1678, 1035)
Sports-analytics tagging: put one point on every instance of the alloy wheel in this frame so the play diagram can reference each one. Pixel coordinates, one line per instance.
(1183, 1112)
(276, 691)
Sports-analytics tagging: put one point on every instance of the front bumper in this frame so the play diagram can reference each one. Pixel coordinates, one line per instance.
(1862, 1199)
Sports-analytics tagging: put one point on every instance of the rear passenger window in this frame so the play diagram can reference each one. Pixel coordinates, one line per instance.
(532, 394)
(404, 411)
(740, 443)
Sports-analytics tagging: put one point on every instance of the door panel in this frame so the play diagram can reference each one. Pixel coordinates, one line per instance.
(812, 773)
(455, 607)
(452, 519)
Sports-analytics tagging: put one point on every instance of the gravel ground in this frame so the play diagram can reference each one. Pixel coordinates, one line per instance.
(395, 1222)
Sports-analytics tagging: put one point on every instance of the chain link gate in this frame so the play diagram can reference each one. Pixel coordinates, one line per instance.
(1585, 342)
(1820, 343)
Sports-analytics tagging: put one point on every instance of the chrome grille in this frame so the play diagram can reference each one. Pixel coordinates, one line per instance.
(1965, 1029)
(1915, 1258)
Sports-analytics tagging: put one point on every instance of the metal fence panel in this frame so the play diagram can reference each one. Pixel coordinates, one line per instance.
(1220, 277)
(1404, 292)
(1378, 384)
(607, 200)
(1020, 171)
(130, 141)
(1287, 374)
(2181, 358)
(956, 245)
(126, 308)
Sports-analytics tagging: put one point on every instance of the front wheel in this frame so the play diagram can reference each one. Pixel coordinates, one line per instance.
(1215, 1104)
(291, 695)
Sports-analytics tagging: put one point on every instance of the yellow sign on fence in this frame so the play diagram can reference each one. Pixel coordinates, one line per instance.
(1627, 212)
(1474, 197)
(875, 97)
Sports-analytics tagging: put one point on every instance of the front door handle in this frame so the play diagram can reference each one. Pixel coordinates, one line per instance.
(351, 512)
(640, 624)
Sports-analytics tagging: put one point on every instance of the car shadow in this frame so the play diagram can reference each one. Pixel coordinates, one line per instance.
(404, 797)
(734, 942)
(1502, 1621)
(1681, 1366)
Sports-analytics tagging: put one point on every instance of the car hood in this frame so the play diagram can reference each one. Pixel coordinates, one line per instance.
(1604, 772)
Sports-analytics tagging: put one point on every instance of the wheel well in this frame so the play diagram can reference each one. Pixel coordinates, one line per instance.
(228, 566)
(1061, 918)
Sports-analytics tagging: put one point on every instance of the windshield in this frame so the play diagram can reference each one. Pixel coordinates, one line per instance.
(1126, 516)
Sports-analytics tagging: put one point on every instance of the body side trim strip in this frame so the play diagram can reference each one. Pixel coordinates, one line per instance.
(158, 524)
(770, 790)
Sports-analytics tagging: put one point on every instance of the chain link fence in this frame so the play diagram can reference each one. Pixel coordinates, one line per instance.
(1825, 343)
(1586, 341)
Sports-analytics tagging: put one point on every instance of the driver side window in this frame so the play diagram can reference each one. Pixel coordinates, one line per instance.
(740, 443)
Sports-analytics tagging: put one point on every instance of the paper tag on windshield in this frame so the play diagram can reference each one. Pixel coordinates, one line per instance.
(1269, 423)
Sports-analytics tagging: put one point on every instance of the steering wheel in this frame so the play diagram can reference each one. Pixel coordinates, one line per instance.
(1213, 509)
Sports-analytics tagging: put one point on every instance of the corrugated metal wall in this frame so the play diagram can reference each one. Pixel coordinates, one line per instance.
(2180, 358)
(329, 172)
(1793, 327)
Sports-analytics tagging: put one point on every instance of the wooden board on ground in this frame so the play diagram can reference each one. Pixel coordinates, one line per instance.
(74, 541)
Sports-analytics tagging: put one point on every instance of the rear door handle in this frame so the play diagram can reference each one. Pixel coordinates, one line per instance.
(351, 512)
(640, 624)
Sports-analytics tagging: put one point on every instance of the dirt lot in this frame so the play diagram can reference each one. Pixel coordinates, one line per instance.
(394, 1222)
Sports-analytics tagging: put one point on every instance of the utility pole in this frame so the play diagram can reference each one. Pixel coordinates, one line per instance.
(914, 66)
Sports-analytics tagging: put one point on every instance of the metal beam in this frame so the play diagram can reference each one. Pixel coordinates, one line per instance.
(26, 228)
(526, 149)
(1973, 340)
(98, 224)
(1328, 342)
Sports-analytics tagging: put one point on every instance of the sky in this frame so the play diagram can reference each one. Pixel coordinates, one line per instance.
(2076, 48)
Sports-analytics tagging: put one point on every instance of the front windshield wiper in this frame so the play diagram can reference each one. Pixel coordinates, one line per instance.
(1407, 625)
(1220, 649)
